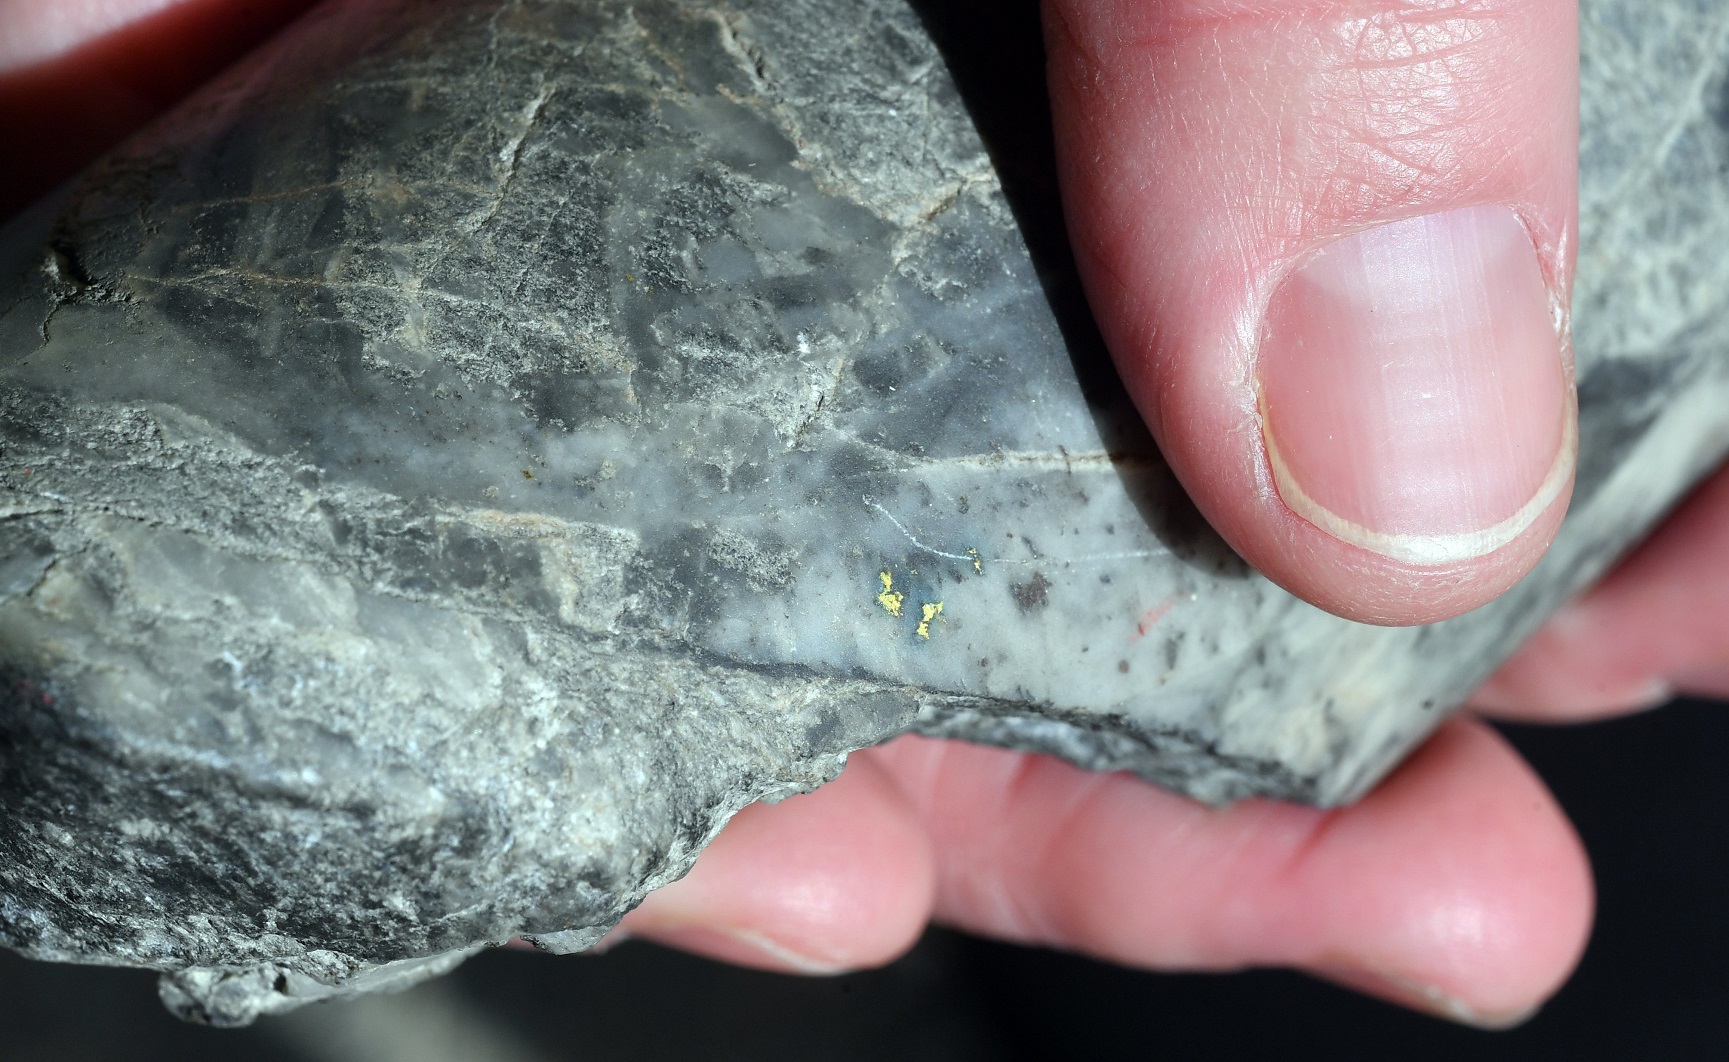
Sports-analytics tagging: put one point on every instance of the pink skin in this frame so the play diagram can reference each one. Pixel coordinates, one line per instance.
(1469, 900)
(1658, 625)
(1209, 147)
(78, 75)
(1457, 886)
(840, 878)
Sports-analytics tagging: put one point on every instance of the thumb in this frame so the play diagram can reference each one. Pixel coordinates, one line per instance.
(1330, 245)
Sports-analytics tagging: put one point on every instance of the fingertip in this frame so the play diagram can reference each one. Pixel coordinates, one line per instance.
(1457, 886)
(1484, 900)
(76, 78)
(1654, 626)
(1416, 420)
(834, 880)
(1562, 674)
(1392, 988)
(1358, 584)
(1339, 299)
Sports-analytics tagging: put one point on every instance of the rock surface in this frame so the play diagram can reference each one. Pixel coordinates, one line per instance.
(471, 450)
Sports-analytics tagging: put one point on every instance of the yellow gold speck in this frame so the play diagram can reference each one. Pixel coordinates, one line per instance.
(890, 598)
(978, 565)
(931, 612)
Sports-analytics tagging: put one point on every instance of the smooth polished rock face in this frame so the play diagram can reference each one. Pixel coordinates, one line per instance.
(466, 454)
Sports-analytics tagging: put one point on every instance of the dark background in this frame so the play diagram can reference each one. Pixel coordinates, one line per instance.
(1648, 793)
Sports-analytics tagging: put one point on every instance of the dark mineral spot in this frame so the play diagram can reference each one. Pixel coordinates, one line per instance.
(1032, 594)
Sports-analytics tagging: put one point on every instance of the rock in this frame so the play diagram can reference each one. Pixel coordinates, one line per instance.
(471, 450)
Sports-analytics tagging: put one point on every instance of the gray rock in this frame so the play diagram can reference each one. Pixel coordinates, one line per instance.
(471, 450)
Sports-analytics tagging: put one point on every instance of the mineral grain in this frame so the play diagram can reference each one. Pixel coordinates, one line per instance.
(472, 449)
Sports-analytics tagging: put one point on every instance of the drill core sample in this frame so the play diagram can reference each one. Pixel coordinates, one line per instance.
(469, 451)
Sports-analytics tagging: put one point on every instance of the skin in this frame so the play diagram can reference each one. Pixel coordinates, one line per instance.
(1206, 147)
(1456, 887)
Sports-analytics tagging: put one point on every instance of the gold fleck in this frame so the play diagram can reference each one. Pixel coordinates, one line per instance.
(931, 612)
(890, 598)
(978, 565)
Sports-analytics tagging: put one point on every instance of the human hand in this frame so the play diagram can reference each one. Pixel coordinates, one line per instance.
(1207, 151)
(1456, 886)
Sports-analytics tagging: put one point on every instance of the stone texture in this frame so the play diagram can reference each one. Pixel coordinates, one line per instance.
(471, 450)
